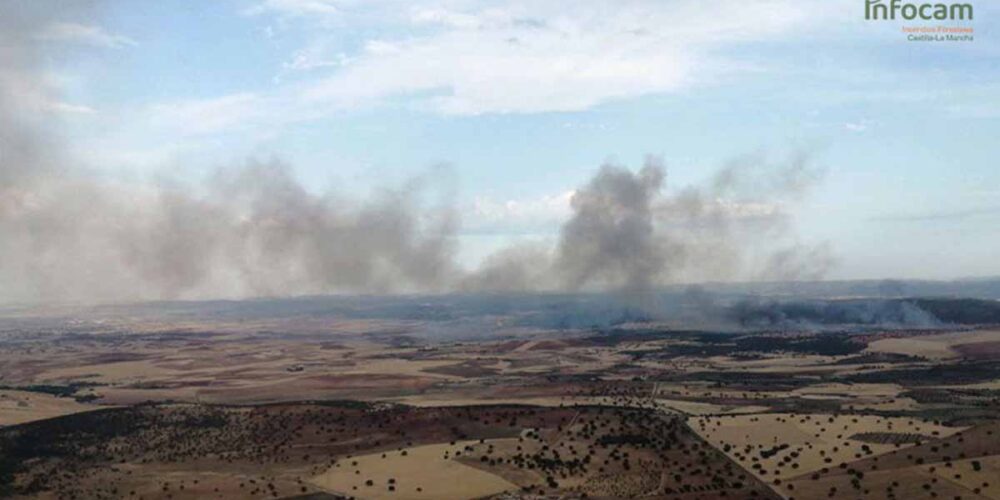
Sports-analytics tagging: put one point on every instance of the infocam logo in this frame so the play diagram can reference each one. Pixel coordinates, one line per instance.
(890, 10)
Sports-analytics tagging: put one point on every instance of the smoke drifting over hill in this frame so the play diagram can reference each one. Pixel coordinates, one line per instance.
(67, 233)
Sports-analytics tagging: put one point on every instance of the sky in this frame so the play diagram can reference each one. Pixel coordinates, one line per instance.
(513, 105)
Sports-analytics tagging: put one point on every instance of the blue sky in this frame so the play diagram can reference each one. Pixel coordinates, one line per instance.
(522, 101)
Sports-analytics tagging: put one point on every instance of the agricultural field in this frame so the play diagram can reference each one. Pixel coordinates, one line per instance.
(18, 407)
(140, 407)
(369, 451)
(784, 445)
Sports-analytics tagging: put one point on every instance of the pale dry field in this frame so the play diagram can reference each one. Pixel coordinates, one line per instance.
(18, 407)
(894, 404)
(989, 385)
(986, 479)
(858, 396)
(914, 347)
(225, 368)
(851, 390)
(700, 408)
(119, 372)
(861, 396)
(397, 366)
(695, 389)
(798, 444)
(934, 346)
(211, 371)
(423, 473)
(462, 400)
(773, 362)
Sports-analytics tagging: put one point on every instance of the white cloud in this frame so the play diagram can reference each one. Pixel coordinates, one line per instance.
(543, 214)
(305, 61)
(68, 108)
(540, 57)
(317, 55)
(296, 7)
(453, 19)
(499, 57)
(201, 116)
(85, 34)
(858, 126)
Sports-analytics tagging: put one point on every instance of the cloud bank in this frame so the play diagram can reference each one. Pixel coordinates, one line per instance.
(473, 58)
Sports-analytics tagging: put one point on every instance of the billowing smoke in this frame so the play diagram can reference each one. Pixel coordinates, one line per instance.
(66, 233)
(628, 233)
(611, 238)
(251, 230)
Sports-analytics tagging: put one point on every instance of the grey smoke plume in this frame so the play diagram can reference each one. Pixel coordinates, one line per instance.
(611, 238)
(251, 230)
(627, 233)
(823, 314)
(66, 233)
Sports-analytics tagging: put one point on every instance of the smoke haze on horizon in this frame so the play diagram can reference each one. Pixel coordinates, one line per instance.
(70, 234)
